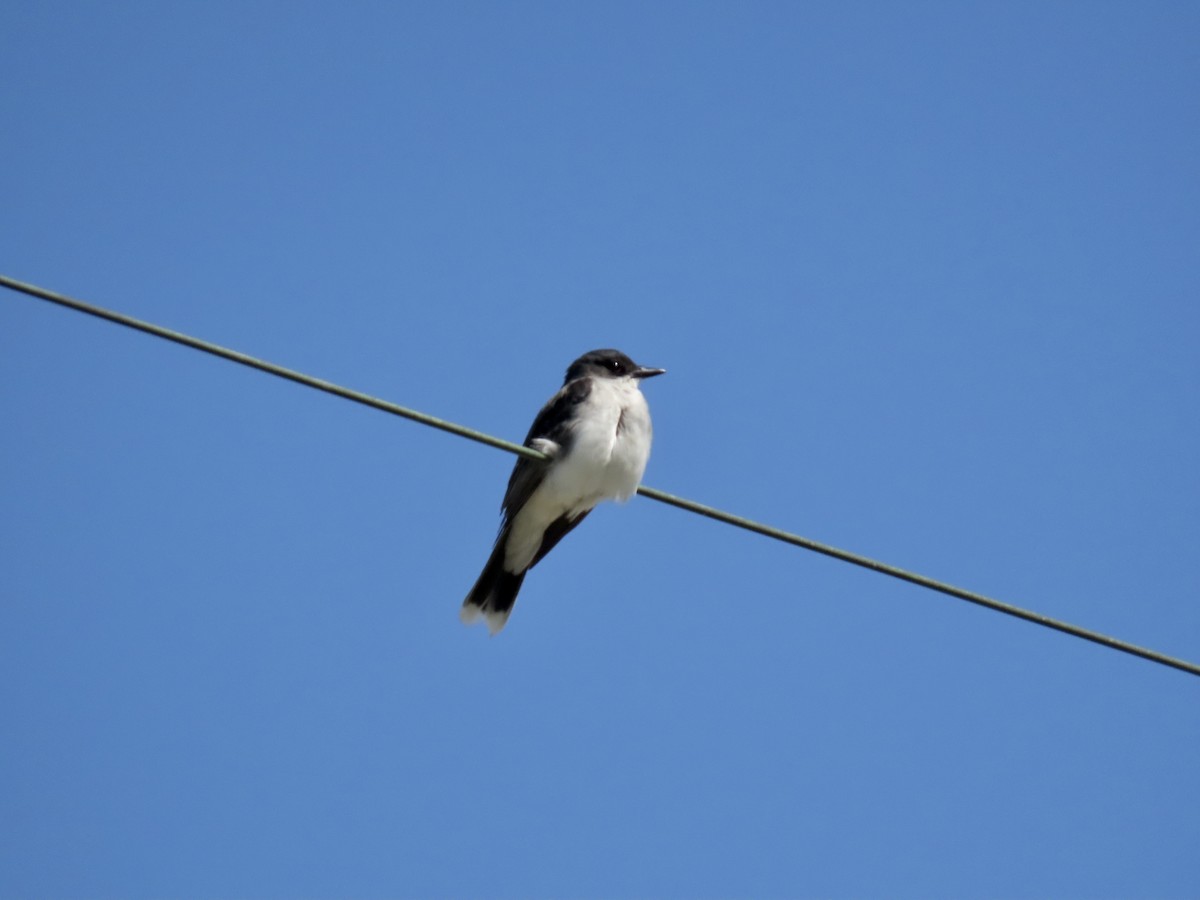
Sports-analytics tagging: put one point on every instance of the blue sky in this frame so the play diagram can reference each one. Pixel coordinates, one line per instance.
(924, 277)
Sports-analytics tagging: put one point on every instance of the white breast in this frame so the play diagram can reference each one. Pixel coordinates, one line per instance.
(610, 446)
(608, 453)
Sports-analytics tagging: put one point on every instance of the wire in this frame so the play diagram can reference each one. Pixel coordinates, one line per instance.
(651, 493)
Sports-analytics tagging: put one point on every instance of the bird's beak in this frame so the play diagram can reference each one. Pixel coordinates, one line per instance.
(644, 372)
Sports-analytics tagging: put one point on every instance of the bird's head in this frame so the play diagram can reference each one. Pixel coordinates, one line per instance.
(608, 364)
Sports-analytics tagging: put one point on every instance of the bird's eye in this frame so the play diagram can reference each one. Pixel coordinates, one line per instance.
(614, 365)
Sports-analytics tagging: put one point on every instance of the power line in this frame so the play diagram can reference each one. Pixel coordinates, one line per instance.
(652, 493)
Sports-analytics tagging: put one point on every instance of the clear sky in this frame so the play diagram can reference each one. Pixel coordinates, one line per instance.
(925, 278)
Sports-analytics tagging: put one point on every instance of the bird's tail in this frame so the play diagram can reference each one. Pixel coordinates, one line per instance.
(495, 592)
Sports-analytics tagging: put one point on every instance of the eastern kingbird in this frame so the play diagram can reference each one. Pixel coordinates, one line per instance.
(596, 432)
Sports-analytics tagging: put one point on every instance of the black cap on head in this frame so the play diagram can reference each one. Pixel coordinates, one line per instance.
(608, 364)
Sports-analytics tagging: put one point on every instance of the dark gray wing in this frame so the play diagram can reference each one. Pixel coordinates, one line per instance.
(553, 423)
(556, 532)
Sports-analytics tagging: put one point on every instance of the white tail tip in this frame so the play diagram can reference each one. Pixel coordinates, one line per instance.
(495, 620)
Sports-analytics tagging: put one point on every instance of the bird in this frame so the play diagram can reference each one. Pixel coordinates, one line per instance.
(596, 434)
